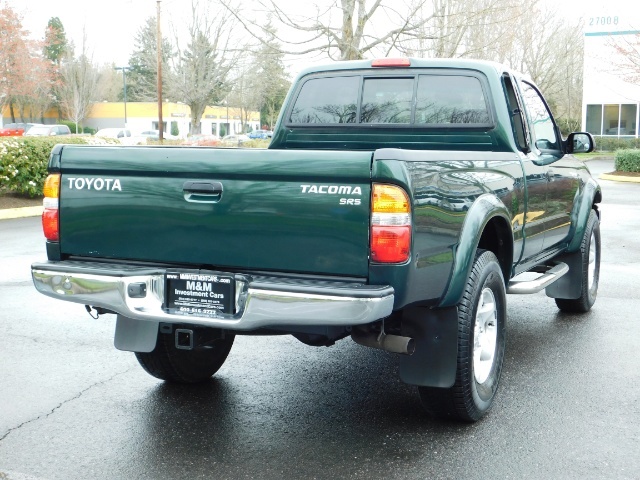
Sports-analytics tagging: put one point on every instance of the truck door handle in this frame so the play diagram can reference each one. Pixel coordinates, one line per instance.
(202, 191)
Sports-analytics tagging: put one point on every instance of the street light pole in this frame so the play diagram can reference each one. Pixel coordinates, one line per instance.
(159, 75)
(124, 85)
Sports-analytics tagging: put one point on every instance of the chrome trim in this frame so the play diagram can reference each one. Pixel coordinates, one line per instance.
(255, 307)
(539, 283)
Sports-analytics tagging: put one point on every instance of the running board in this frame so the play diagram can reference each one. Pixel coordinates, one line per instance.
(549, 275)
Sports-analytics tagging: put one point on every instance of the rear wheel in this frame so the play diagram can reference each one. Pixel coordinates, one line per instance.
(481, 344)
(169, 363)
(590, 252)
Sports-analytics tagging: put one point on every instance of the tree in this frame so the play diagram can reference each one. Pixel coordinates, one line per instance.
(628, 49)
(464, 28)
(142, 79)
(55, 49)
(269, 80)
(55, 41)
(201, 75)
(355, 29)
(14, 59)
(553, 58)
(76, 93)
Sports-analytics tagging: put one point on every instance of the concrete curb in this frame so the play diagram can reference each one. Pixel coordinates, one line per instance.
(8, 213)
(619, 178)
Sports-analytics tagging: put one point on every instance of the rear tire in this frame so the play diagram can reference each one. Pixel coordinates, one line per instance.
(481, 343)
(171, 364)
(590, 251)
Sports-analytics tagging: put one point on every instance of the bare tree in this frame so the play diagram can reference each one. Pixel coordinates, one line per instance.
(550, 51)
(76, 93)
(200, 75)
(627, 48)
(343, 30)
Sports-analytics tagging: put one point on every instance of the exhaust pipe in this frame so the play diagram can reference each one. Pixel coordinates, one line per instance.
(382, 341)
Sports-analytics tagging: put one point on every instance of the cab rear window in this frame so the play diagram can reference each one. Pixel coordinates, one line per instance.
(429, 99)
(327, 100)
(443, 99)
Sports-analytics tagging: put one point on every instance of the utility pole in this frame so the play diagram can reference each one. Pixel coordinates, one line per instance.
(159, 50)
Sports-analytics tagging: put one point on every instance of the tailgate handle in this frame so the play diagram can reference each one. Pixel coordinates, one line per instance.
(202, 191)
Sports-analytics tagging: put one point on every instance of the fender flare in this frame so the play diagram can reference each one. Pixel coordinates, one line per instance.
(485, 208)
(591, 195)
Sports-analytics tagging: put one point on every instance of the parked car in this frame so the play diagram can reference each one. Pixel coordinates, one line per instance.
(202, 140)
(155, 135)
(47, 130)
(16, 129)
(260, 134)
(323, 236)
(235, 139)
(122, 134)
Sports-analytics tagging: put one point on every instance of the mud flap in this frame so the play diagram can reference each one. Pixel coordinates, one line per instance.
(135, 335)
(435, 331)
(570, 285)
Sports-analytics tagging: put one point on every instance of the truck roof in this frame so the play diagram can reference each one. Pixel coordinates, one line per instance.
(484, 66)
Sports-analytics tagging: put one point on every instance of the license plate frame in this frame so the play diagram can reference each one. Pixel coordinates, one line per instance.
(204, 294)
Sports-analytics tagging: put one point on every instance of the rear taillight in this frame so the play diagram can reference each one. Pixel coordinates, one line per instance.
(50, 215)
(390, 224)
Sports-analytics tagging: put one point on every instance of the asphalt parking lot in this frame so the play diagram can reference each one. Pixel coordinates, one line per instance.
(73, 407)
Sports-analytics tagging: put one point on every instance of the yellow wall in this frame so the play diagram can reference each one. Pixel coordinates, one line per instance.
(142, 110)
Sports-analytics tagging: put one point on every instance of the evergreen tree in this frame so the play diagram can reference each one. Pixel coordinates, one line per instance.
(142, 79)
(55, 41)
(269, 78)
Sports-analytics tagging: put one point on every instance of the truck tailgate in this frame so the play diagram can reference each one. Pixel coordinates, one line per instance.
(241, 209)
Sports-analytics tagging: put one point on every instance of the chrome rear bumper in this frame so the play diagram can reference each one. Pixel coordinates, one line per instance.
(261, 302)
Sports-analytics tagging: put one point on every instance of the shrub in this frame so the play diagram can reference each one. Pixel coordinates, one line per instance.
(611, 144)
(24, 160)
(257, 143)
(568, 125)
(628, 160)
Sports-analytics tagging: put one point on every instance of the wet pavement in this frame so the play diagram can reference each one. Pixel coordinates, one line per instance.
(73, 407)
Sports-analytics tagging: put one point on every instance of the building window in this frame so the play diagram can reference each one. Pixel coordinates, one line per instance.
(154, 126)
(615, 120)
(628, 119)
(611, 118)
(594, 119)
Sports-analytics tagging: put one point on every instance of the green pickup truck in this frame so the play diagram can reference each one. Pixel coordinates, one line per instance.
(399, 201)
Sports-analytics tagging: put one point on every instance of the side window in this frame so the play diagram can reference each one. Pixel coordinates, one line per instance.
(327, 100)
(539, 119)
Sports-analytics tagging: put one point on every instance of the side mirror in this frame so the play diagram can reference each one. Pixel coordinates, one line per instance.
(580, 142)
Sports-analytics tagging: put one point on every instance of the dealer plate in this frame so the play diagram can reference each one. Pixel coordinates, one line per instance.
(202, 294)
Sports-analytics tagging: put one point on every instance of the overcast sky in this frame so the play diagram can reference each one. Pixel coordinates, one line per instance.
(111, 26)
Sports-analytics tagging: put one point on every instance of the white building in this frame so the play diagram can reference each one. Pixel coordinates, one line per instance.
(611, 101)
